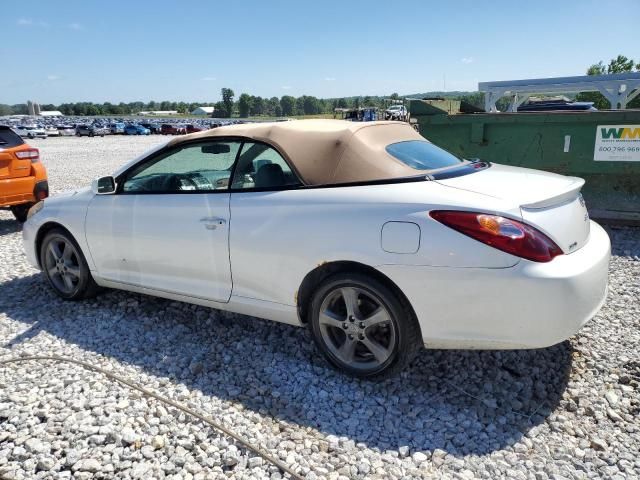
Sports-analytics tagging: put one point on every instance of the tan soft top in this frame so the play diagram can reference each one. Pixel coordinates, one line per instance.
(328, 151)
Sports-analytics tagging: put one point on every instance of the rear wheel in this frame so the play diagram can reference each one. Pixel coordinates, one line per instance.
(362, 327)
(21, 211)
(65, 267)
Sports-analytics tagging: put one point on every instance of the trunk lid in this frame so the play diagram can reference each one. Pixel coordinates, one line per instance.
(552, 203)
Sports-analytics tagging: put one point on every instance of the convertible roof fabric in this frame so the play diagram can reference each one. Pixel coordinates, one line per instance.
(325, 152)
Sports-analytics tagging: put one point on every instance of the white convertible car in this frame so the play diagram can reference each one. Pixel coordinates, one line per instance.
(374, 238)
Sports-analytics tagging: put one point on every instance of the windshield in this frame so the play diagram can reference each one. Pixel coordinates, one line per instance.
(422, 155)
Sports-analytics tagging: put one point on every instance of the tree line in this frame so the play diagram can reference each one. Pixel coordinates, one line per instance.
(287, 106)
(246, 105)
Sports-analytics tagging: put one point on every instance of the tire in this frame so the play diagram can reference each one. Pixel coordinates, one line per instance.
(21, 211)
(382, 322)
(78, 285)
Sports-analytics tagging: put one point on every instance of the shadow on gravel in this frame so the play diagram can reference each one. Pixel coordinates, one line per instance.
(8, 226)
(464, 402)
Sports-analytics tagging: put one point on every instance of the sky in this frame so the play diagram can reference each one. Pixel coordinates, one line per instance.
(123, 51)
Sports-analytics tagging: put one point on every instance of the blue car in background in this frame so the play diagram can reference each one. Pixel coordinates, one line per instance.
(133, 129)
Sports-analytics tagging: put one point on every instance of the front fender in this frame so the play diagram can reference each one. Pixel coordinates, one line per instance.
(67, 210)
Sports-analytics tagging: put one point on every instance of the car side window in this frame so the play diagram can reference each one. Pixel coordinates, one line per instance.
(197, 167)
(261, 166)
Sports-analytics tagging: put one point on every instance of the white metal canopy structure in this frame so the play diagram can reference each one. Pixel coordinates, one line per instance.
(618, 88)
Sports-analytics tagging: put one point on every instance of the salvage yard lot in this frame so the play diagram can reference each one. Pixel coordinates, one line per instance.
(570, 411)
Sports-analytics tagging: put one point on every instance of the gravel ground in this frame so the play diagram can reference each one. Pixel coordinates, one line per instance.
(570, 411)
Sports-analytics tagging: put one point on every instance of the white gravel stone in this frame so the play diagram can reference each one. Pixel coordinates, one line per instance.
(86, 465)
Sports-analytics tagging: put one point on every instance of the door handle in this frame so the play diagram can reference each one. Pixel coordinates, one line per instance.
(211, 223)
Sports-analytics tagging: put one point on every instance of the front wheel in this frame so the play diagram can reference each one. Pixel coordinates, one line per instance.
(65, 267)
(362, 327)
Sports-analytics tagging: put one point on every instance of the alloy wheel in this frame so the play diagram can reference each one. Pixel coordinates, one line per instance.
(357, 328)
(62, 264)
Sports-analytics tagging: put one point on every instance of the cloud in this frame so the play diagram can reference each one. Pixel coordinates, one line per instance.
(330, 79)
(208, 79)
(286, 87)
(53, 77)
(466, 60)
(75, 26)
(29, 22)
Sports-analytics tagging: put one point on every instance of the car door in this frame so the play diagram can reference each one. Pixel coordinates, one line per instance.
(167, 225)
(265, 228)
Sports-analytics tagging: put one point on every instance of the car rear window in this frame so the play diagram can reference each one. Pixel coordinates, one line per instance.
(422, 155)
(8, 138)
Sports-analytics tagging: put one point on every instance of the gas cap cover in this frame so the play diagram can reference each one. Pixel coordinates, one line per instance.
(400, 237)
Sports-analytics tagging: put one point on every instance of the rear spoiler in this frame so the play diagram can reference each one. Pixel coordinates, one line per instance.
(565, 195)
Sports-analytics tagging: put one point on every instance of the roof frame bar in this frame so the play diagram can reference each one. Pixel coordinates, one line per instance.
(618, 88)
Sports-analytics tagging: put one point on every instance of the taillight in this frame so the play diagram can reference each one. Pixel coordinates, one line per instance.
(505, 234)
(31, 153)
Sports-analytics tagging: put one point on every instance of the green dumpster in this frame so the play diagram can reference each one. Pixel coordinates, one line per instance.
(603, 147)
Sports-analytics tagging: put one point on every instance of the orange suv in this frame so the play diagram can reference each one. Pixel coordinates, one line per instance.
(23, 179)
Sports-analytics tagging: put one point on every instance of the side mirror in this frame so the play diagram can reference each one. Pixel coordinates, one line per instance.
(104, 185)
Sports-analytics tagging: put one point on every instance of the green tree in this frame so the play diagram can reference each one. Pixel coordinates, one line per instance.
(342, 103)
(227, 99)
(218, 110)
(92, 109)
(597, 69)
(257, 105)
(394, 96)
(310, 105)
(288, 105)
(5, 109)
(244, 105)
(182, 107)
(271, 106)
(20, 109)
(620, 64)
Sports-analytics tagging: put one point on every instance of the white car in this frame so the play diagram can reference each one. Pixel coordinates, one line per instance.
(30, 131)
(66, 130)
(396, 112)
(52, 132)
(374, 238)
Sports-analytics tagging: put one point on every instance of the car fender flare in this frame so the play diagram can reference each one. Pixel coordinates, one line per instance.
(324, 270)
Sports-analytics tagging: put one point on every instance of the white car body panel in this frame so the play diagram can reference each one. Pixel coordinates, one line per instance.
(465, 294)
(174, 243)
(537, 305)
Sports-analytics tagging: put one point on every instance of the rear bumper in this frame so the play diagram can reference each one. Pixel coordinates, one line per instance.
(529, 305)
(21, 190)
(16, 191)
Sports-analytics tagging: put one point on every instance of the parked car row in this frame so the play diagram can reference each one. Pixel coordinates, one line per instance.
(116, 128)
